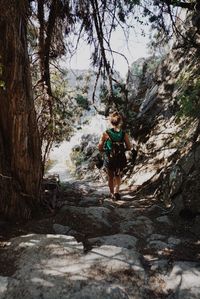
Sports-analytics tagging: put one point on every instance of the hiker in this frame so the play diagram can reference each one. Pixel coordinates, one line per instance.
(113, 144)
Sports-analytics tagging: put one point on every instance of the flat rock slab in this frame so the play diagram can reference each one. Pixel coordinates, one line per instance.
(143, 176)
(55, 266)
(119, 240)
(3, 285)
(184, 280)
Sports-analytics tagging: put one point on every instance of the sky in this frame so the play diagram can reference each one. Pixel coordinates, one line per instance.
(136, 48)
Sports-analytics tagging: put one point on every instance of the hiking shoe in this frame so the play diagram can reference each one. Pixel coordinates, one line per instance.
(117, 196)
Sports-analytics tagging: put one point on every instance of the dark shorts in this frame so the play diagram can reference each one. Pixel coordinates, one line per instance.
(112, 166)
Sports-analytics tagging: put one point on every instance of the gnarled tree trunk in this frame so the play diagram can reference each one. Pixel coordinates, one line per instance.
(20, 150)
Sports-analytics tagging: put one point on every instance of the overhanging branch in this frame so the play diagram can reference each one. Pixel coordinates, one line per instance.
(186, 5)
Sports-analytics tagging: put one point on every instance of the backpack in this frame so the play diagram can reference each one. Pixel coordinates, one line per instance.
(115, 152)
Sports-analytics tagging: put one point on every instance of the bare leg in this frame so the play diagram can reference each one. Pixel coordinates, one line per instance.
(117, 180)
(111, 181)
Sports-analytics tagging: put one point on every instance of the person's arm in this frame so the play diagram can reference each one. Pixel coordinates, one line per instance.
(127, 142)
(101, 142)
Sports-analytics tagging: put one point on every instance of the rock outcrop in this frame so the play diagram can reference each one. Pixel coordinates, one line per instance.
(167, 130)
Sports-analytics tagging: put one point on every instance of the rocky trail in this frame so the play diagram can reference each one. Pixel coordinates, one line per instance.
(92, 247)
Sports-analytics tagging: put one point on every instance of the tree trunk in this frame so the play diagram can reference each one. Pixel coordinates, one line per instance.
(20, 150)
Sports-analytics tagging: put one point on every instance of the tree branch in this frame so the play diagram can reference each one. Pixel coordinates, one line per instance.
(186, 5)
(100, 35)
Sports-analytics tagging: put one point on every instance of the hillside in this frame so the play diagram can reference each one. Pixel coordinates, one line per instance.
(167, 129)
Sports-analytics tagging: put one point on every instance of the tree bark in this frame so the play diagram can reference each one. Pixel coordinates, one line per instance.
(20, 149)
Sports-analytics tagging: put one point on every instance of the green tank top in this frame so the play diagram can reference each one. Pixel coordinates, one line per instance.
(116, 136)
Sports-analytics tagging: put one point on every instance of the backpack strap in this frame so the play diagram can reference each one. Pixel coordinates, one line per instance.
(110, 137)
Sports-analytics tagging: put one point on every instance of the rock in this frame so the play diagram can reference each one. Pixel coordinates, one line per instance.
(154, 237)
(166, 153)
(119, 240)
(101, 191)
(142, 176)
(158, 245)
(89, 150)
(101, 291)
(164, 219)
(196, 227)
(54, 266)
(108, 203)
(175, 180)
(160, 265)
(156, 242)
(70, 202)
(150, 98)
(188, 162)
(3, 285)
(190, 192)
(141, 227)
(61, 229)
(174, 241)
(67, 231)
(178, 206)
(83, 218)
(183, 280)
(156, 209)
(113, 258)
(89, 201)
(197, 155)
(126, 213)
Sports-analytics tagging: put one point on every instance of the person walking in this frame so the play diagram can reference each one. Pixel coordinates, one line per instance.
(113, 144)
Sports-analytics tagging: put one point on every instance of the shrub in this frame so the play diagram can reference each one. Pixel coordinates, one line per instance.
(189, 98)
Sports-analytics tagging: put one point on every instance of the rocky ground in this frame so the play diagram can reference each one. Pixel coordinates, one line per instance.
(89, 246)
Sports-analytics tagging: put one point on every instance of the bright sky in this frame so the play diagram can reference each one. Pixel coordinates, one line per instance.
(137, 47)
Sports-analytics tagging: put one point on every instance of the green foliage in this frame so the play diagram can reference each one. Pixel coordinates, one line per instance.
(32, 38)
(189, 98)
(48, 165)
(153, 64)
(59, 114)
(77, 157)
(136, 69)
(103, 93)
(82, 101)
(117, 97)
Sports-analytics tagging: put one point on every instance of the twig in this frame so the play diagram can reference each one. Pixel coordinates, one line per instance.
(5, 177)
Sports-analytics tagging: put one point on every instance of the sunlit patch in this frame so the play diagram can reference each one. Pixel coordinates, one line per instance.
(42, 282)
